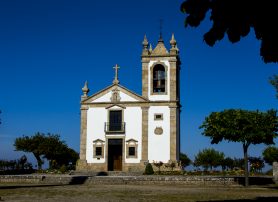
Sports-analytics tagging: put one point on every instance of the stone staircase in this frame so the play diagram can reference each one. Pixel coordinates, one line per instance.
(106, 173)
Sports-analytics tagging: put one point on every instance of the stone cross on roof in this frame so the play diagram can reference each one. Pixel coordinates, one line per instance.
(160, 29)
(116, 81)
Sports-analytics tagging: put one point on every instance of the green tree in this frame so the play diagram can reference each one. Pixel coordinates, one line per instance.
(227, 164)
(47, 146)
(256, 164)
(270, 154)
(235, 18)
(239, 163)
(58, 153)
(64, 157)
(33, 144)
(274, 82)
(184, 160)
(22, 161)
(209, 158)
(246, 127)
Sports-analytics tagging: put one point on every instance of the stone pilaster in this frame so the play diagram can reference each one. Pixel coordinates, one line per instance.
(83, 133)
(173, 79)
(173, 133)
(145, 114)
(145, 77)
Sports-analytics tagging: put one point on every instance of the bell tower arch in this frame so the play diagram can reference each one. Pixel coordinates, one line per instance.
(160, 71)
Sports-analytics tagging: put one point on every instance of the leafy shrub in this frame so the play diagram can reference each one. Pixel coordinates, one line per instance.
(176, 172)
(269, 172)
(184, 160)
(63, 169)
(149, 169)
(158, 165)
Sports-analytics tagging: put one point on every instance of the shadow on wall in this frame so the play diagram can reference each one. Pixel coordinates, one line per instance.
(255, 180)
(102, 174)
(78, 180)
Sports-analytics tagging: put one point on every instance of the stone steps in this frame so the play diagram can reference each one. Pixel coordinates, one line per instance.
(108, 173)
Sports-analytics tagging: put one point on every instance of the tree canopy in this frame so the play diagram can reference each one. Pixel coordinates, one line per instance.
(274, 82)
(256, 164)
(235, 18)
(185, 160)
(270, 154)
(47, 146)
(243, 126)
(209, 158)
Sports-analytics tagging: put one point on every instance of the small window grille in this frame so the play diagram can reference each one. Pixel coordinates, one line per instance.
(131, 151)
(158, 117)
(98, 151)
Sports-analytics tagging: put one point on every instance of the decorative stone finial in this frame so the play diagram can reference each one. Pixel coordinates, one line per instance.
(173, 41)
(174, 49)
(85, 90)
(116, 81)
(145, 43)
(150, 48)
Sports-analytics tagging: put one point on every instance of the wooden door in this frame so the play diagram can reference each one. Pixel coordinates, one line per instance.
(117, 163)
(115, 154)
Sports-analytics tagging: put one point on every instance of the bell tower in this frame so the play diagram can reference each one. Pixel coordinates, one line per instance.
(160, 71)
(161, 87)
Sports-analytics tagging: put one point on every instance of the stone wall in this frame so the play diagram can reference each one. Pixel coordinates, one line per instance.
(132, 178)
(96, 178)
(162, 180)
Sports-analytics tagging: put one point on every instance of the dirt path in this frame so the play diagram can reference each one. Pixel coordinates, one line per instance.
(68, 193)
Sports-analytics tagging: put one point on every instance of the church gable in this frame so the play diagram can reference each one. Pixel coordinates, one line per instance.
(114, 94)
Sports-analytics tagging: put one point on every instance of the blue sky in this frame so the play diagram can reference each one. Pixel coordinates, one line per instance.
(48, 49)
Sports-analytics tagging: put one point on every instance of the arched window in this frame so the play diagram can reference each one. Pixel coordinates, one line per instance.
(159, 79)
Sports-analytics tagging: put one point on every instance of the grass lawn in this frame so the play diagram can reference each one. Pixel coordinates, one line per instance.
(87, 192)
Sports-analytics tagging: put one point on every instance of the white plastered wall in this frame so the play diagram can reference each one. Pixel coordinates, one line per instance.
(95, 130)
(159, 97)
(133, 119)
(96, 117)
(159, 145)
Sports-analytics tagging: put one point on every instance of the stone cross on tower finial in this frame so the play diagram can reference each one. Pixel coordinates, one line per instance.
(116, 81)
(160, 29)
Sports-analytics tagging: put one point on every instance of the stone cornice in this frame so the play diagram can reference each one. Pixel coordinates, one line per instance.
(113, 105)
(110, 88)
(174, 104)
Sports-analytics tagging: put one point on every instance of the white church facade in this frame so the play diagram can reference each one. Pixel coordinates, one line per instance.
(121, 130)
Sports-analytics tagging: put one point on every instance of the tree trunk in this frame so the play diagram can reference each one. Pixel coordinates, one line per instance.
(39, 161)
(246, 171)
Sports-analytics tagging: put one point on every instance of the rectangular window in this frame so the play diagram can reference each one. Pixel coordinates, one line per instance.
(98, 151)
(158, 116)
(115, 120)
(131, 151)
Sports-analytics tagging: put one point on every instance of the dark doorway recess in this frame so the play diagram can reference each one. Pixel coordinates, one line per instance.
(115, 154)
